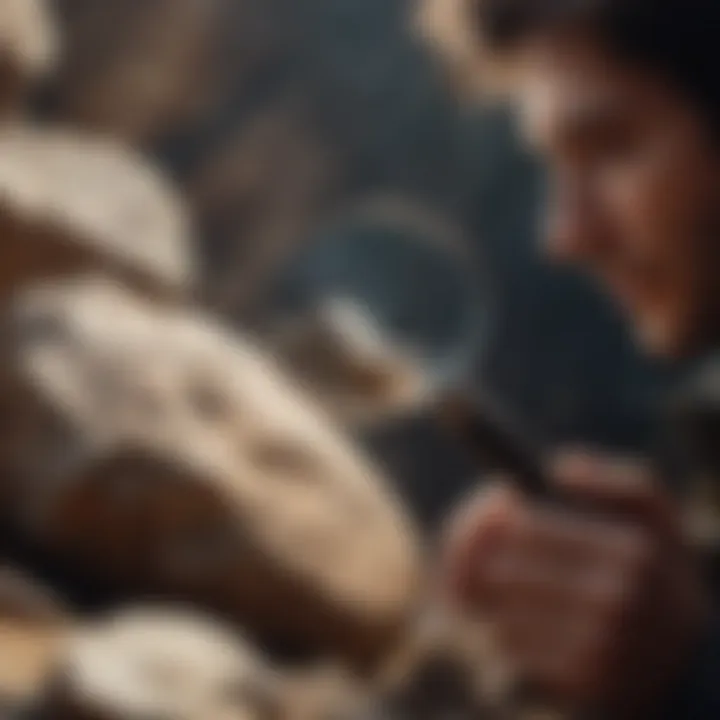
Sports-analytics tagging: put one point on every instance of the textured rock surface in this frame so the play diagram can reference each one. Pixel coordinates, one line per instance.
(23, 599)
(258, 195)
(28, 47)
(29, 653)
(147, 663)
(32, 624)
(448, 669)
(70, 202)
(322, 693)
(451, 667)
(446, 26)
(134, 68)
(155, 450)
(358, 374)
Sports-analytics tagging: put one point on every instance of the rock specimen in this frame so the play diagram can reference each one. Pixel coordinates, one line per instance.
(152, 663)
(29, 653)
(28, 48)
(32, 624)
(358, 374)
(70, 203)
(323, 693)
(22, 599)
(151, 71)
(155, 450)
(134, 68)
(447, 28)
(258, 195)
(448, 669)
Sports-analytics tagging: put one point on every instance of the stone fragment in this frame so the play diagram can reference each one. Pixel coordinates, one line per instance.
(24, 599)
(33, 621)
(71, 203)
(155, 450)
(154, 663)
(28, 48)
(135, 69)
(258, 196)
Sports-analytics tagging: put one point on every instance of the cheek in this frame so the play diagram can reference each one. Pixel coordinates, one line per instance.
(665, 206)
(657, 201)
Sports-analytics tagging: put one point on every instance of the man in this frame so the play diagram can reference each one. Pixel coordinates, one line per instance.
(601, 607)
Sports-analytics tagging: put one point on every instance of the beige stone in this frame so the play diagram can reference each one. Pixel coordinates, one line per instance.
(154, 449)
(448, 668)
(359, 375)
(134, 68)
(448, 28)
(259, 195)
(28, 47)
(324, 693)
(451, 667)
(24, 599)
(30, 651)
(33, 623)
(70, 202)
(152, 662)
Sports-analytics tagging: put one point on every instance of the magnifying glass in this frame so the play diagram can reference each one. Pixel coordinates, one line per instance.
(417, 309)
(387, 316)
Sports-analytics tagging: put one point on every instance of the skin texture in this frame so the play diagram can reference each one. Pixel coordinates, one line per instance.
(600, 606)
(634, 177)
(595, 610)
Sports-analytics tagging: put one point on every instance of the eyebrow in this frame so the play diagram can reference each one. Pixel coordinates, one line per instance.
(587, 117)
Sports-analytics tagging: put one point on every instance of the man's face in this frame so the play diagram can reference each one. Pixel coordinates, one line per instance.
(634, 187)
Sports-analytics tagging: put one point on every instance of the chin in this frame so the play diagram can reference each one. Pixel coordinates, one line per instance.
(663, 338)
(655, 344)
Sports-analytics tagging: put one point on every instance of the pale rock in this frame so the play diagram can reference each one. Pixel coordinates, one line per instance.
(28, 48)
(156, 450)
(135, 68)
(323, 693)
(360, 375)
(448, 28)
(146, 663)
(70, 202)
(33, 623)
(30, 651)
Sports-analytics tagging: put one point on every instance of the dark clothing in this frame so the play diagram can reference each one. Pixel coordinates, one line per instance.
(696, 411)
(698, 696)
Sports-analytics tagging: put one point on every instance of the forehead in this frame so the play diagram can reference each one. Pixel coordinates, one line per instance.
(564, 85)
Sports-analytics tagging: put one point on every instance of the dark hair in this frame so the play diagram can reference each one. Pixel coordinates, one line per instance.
(680, 39)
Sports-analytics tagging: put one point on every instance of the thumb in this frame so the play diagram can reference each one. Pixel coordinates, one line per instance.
(624, 487)
(474, 532)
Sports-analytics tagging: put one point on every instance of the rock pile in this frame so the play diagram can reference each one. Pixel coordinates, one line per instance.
(185, 534)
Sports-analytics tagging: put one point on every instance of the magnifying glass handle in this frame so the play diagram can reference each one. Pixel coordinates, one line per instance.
(496, 441)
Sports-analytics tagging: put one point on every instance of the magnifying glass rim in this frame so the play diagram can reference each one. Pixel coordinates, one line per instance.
(397, 215)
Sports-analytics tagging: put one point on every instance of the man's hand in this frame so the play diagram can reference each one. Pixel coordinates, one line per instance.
(599, 607)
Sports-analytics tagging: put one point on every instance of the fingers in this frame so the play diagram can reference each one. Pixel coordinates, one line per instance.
(569, 541)
(553, 563)
(573, 597)
(622, 488)
(473, 534)
(559, 592)
(501, 545)
(563, 656)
